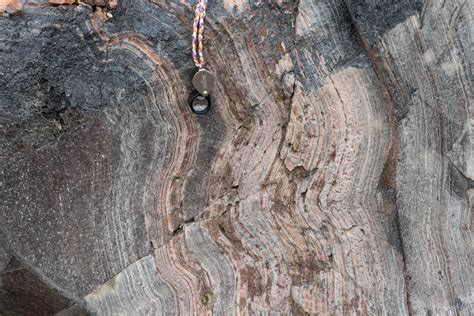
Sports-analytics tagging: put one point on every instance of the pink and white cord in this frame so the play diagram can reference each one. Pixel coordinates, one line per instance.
(198, 32)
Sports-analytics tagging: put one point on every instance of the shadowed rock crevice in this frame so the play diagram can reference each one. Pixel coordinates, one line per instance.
(374, 18)
(24, 291)
(387, 182)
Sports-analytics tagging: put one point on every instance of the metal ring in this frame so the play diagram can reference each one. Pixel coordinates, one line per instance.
(199, 103)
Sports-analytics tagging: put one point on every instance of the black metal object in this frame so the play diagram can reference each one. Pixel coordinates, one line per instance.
(199, 104)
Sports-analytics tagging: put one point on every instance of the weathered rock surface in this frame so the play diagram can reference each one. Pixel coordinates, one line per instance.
(333, 175)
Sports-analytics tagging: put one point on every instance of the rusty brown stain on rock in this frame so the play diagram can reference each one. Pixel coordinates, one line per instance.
(10, 6)
(62, 2)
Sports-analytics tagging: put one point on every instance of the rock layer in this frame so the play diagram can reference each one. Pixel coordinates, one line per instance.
(333, 175)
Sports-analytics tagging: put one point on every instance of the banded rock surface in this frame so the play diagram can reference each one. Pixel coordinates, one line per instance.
(333, 175)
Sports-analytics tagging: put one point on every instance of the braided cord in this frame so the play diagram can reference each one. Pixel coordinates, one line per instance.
(198, 32)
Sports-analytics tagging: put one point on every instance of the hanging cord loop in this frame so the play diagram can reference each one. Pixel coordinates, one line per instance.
(198, 32)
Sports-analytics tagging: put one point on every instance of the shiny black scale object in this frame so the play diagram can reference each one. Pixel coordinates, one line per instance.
(203, 82)
(199, 104)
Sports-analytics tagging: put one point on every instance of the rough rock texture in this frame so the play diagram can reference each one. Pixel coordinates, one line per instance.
(333, 175)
